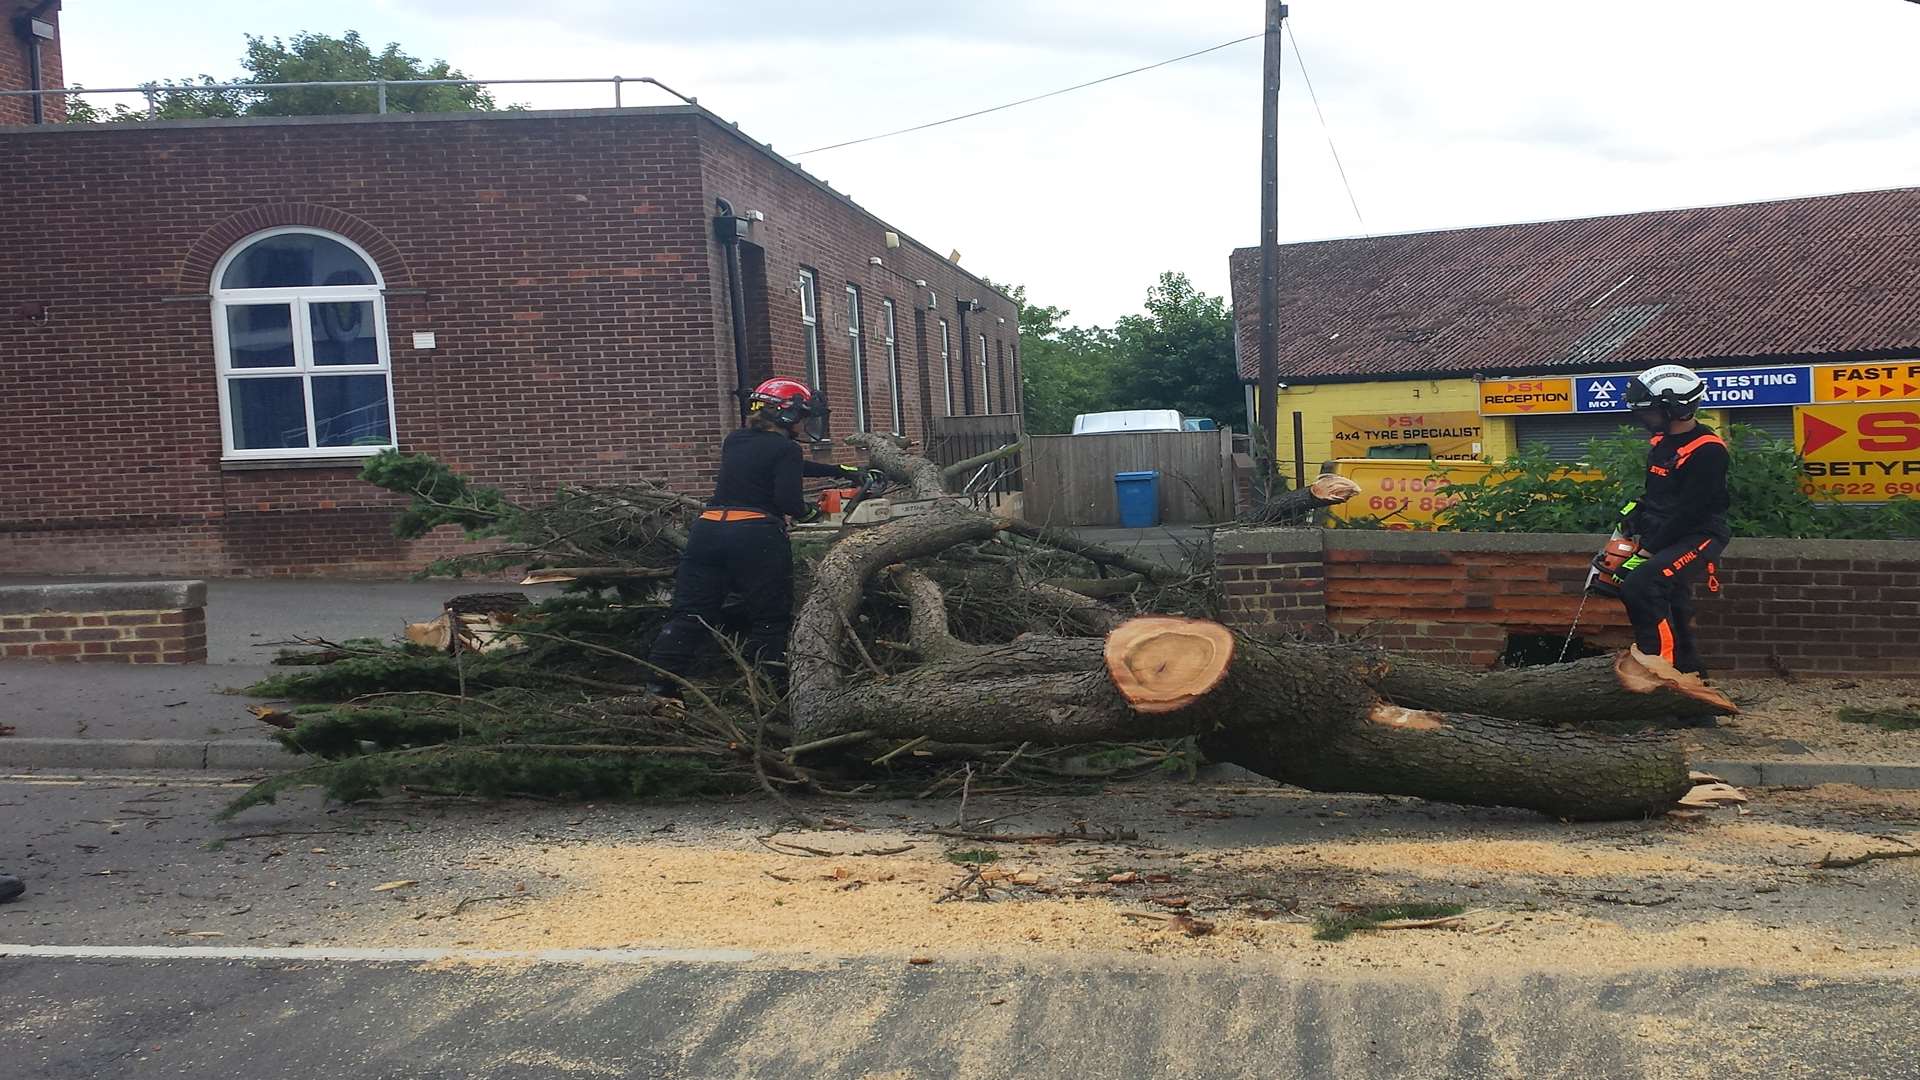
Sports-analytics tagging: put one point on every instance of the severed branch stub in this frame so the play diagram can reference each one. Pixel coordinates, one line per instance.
(1161, 664)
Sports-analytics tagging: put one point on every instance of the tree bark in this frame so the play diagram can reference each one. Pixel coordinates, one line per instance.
(1599, 690)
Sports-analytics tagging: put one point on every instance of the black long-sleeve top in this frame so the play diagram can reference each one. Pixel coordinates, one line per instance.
(1686, 489)
(761, 470)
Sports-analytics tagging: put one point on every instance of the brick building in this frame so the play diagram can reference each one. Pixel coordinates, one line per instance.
(30, 49)
(205, 325)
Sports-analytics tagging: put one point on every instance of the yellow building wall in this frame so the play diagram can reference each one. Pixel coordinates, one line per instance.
(1318, 405)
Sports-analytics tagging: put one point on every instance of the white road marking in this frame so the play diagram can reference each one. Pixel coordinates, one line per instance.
(377, 955)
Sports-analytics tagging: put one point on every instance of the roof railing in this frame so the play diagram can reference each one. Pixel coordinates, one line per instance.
(153, 91)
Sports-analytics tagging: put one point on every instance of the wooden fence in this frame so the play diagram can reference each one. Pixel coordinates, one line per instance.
(1069, 478)
(957, 438)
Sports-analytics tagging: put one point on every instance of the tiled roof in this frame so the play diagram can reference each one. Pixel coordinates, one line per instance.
(1837, 275)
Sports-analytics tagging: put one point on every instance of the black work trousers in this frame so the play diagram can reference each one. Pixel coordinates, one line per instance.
(1659, 598)
(750, 558)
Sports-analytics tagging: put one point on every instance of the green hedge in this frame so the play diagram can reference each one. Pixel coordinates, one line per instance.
(1535, 494)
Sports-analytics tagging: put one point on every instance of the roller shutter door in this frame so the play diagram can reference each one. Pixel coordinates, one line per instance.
(1565, 436)
(1774, 423)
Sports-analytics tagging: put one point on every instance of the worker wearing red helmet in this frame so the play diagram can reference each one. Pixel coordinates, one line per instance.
(1681, 521)
(739, 543)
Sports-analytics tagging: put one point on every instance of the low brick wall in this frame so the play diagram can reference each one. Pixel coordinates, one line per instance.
(1827, 606)
(129, 622)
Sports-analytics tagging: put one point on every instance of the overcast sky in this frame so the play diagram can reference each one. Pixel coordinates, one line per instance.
(1446, 114)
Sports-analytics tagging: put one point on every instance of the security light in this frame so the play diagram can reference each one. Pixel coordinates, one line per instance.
(40, 28)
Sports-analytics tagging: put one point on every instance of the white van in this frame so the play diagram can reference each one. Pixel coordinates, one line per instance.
(1127, 420)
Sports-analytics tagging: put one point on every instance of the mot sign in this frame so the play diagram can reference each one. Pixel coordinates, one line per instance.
(1727, 388)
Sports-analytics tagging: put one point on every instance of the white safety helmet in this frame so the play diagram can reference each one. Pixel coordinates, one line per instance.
(1661, 395)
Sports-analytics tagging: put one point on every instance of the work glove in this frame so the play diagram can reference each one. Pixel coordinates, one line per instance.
(851, 475)
(1629, 524)
(812, 515)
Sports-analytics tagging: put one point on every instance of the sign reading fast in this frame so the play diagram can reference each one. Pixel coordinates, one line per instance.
(1867, 382)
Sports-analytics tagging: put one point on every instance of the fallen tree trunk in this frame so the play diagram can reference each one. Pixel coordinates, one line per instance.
(1322, 717)
(1611, 690)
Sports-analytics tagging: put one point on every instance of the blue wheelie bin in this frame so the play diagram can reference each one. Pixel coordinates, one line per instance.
(1139, 496)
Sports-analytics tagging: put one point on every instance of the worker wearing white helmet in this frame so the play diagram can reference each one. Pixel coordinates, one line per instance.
(1681, 521)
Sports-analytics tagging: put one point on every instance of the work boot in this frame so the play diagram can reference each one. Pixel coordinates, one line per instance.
(10, 888)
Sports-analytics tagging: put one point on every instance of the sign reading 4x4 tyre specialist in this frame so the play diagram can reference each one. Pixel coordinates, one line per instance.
(1860, 453)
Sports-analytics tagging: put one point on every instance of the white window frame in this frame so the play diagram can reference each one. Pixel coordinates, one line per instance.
(986, 385)
(300, 300)
(893, 362)
(857, 355)
(946, 363)
(810, 326)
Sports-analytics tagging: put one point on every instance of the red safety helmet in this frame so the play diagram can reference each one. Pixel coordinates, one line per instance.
(786, 402)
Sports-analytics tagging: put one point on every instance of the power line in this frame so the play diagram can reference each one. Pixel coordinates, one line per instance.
(1036, 97)
(1342, 169)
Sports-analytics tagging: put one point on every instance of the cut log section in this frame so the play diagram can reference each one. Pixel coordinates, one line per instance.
(1161, 664)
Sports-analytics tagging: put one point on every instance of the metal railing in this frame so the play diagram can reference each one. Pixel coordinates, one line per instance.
(154, 91)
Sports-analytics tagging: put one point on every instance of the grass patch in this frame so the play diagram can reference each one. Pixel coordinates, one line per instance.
(973, 857)
(1887, 719)
(1339, 925)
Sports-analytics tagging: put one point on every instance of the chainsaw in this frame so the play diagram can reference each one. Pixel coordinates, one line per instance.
(1620, 556)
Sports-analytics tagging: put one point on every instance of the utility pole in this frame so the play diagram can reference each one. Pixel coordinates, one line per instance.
(1267, 455)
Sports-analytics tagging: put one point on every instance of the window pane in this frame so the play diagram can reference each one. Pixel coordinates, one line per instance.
(291, 260)
(351, 410)
(268, 414)
(343, 333)
(260, 336)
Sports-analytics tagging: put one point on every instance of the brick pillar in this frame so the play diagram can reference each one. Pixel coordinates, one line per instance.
(1274, 584)
(142, 622)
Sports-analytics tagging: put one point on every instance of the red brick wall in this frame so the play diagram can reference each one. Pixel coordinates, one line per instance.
(177, 636)
(16, 71)
(564, 261)
(1812, 606)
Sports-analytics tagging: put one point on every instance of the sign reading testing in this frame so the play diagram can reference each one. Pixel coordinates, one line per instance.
(1727, 388)
(1860, 453)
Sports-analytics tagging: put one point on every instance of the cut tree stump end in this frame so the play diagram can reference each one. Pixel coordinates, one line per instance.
(1643, 674)
(1162, 664)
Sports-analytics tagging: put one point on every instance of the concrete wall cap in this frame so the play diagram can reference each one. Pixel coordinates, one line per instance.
(1274, 541)
(102, 596)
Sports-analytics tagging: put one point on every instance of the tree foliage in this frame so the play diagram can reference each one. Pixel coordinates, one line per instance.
(1533, 493)
(305, 58)
(1177, 353)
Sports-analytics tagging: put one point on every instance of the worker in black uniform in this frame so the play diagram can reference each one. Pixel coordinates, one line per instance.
(739, 543)
(1681, 521)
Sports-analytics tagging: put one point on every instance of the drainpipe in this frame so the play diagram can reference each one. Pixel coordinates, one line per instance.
(966, 354)
(728, 229)
(32, 30)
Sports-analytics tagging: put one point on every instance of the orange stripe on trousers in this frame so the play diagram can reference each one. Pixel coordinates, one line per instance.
(1666, 641)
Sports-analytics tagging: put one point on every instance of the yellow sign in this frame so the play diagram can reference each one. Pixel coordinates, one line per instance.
(1402, 494)
(1515, 397)
(1860, 453)
(1438, 434)
(1893, 381)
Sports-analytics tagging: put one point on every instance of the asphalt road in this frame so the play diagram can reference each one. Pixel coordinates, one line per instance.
(868, 1019)
(128, 867)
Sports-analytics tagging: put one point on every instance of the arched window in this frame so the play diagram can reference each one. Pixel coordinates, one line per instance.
(300, 328)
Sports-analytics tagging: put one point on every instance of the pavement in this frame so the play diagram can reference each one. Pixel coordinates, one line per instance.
(128, 716)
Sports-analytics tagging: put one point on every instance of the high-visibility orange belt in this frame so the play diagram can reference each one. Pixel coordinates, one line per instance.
(733, 515)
